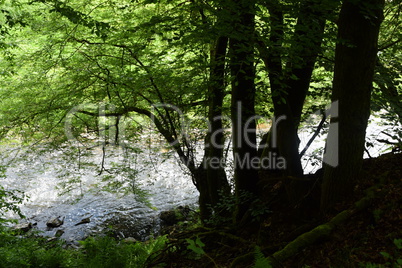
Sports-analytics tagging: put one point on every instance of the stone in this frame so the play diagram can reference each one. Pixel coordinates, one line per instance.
(129, 240)
(55, 222)
(24, 227)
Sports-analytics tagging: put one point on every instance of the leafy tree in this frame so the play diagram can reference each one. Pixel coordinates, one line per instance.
(103, 69)
(387, 90)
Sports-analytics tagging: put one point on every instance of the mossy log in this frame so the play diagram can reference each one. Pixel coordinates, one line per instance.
(320, 232)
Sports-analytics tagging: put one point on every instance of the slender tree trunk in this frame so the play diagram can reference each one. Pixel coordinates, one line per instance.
(241, 51)
(210, 176)
(199, 176)
(355, 58)
(217, 184)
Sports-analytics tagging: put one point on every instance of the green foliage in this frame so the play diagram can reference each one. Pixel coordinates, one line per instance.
(398, 243)
(99, 28)
(377, 214)
(391, 259)
(31, 252)
(387, 90)
(95, 252)
(106, 252)
(260, 260)
(224, 210)
(10, 16)
(196, 246)
(9, 199)
(394, 260)
(123, 60)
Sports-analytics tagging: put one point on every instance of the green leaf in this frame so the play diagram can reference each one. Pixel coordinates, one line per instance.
(385, 255)
(196, 246)
(398, 243)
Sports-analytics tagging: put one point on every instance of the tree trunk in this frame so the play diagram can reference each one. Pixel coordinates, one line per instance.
(289, 85)
(241, 51)
(216, 141)
(355, 58)
(217, 184)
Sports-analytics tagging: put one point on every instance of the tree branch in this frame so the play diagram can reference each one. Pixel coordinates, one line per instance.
(389, 45)
(316, 132)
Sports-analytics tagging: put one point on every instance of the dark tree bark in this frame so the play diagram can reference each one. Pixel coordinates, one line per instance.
(289, 85)
(355, 58)
(216, 175)
(215, 185)
(241, 52)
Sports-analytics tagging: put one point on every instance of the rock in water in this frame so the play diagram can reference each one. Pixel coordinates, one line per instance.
(169, 217)
(85, 220)
(59, 233)
(23, 227)
(55, 222)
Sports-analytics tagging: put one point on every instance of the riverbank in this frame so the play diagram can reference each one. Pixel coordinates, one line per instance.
(369, 236)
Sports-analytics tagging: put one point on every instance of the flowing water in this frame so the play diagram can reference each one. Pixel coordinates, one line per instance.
(76, 183)
(68, 184)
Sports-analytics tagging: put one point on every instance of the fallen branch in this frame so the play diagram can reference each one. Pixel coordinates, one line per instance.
(320, 232)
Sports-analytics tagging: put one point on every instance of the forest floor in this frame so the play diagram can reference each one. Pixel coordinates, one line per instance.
(371, 237)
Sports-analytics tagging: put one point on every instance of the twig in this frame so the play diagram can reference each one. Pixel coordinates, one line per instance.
(316, 132)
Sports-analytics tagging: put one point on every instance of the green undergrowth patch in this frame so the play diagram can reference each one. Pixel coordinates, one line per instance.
(36, 251)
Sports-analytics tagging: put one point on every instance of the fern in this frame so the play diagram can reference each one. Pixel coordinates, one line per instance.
(260, 260)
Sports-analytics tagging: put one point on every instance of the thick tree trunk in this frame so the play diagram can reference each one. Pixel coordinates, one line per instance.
(289, 85)
(285, 142)
(355, 58)
(241, 51)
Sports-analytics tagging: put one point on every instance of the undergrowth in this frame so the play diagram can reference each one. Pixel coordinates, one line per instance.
(36, 251)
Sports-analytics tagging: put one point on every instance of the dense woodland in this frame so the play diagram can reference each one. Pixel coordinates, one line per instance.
(209, 72)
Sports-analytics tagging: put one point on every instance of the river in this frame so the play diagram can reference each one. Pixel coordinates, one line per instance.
(70, 182)
(67, 183)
